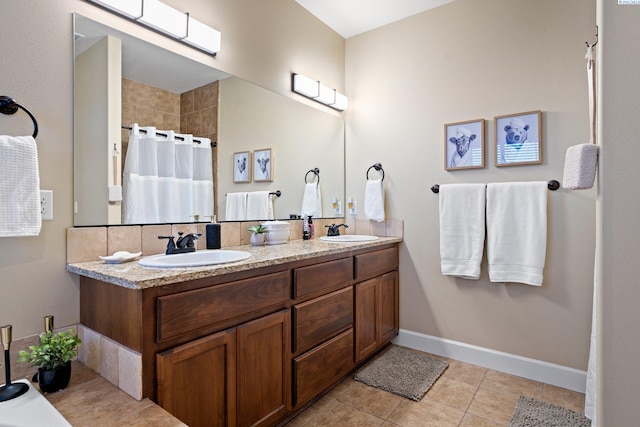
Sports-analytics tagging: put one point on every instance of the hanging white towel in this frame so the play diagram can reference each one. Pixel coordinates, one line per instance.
(259, 205)
(462, 225)
(236, 208)
(517, 231)
(374, 200)
(581, 161)
(19, 187)
(312, 200)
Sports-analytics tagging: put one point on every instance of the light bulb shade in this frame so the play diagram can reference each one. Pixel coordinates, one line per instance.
(306, 86)
(341, 102)
(318, 92)
(164, 18)
(203, 37)
(129, 8)
(327, 95)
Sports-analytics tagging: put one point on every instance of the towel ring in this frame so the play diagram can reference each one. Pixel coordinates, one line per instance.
(9, 106)
(316, 172)
(377, 167)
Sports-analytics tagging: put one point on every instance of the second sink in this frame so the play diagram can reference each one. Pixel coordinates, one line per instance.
(195, 259)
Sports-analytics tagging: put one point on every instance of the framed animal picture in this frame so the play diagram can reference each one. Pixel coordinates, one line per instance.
(262, 165)
(242, 166)
(464, 145)
(519, 139)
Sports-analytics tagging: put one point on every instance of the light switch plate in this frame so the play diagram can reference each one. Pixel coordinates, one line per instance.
(46, 205)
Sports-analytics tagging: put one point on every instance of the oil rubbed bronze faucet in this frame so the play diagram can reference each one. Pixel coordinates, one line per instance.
(334, 230)
(184, 244)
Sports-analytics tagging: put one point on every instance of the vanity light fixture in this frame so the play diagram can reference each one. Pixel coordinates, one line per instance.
(313, 89)
(163, 18)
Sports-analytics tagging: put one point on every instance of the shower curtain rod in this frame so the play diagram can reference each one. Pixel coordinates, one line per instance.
(196, 140)
(552, 185)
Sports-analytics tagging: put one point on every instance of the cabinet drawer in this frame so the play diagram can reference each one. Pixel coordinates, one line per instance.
(376, 263)
(188, 311)
(319, 319)
(327, 276)
(319, 368)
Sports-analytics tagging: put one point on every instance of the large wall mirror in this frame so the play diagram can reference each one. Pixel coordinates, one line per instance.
(121, 80)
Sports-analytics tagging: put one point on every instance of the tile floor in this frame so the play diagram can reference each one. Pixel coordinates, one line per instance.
(465, 395)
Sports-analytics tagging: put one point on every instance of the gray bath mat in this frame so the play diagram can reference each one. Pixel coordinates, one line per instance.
(402, 372)
(530, 412)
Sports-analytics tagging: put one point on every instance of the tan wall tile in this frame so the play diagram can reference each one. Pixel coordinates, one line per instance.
(130, 372)
(230, 234)
(126, 238)
(394, 228)
(109, 356)
(86, 244)
(151, 245)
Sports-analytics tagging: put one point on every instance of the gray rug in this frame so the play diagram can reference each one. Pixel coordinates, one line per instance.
(530, 412)
(402, 372)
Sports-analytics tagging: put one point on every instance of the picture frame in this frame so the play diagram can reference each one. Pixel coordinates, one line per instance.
(263, 165)
(242, 166)
(464, 145)
(518, 139)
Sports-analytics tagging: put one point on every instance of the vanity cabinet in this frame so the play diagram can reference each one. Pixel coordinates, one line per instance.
(254, 346)
(236, 377)
(376, 301)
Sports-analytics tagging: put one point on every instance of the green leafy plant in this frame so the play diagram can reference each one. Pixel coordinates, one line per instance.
(54, 350)
(257, 229)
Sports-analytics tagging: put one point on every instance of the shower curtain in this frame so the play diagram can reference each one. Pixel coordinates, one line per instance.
(166, 180)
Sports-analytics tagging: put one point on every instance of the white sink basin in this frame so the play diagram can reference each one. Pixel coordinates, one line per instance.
(195, 259)
(348, 238)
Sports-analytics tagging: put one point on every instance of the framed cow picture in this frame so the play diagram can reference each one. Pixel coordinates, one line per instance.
(464, 145)
(242, 166)
(262, 165)
(519, 139)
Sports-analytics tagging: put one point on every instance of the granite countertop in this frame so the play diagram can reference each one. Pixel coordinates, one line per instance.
(90, 400)
(133, 276)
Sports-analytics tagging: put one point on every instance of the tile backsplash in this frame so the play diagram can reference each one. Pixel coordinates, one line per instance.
(88, 243)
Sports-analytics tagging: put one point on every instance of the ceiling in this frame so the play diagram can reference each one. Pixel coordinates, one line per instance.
(352, 17)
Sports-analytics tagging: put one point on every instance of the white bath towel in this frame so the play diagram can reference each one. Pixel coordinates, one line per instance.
(236, 208)
(259, 205)
(517, 231)
(312, 200)
(462, 211)
(580, 166)
(19, 187)
(374, 200)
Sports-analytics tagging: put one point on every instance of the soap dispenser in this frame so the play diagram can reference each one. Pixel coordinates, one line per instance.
(213, 234)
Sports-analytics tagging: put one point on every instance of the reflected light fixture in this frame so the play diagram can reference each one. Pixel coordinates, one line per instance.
(163, 18)
(313, 89)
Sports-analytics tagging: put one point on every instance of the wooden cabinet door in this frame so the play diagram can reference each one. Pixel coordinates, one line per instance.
(366, 308)
(263, 371)
(196, 381)
(388, 307)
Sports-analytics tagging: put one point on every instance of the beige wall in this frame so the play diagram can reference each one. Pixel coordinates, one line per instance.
(619, 222)
(37, 70)
(462, 61)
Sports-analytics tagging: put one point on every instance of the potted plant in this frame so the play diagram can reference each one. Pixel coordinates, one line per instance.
(257, 234)
(53, 359)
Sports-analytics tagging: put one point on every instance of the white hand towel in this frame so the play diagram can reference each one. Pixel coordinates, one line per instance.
(258, 205)
(236, 208)
(580, 166)
(374, 200)
(517, 231)
(311, 200)
(462, 212)
(19, 187)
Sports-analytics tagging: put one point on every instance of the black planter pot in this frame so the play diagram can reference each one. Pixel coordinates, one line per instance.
(55, 379)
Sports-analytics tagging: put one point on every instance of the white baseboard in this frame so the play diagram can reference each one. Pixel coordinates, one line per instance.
(549, 373)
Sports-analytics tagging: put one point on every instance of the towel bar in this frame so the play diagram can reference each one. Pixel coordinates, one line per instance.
(377, 167)
(316, 172)
(9, 106)
(552, 185)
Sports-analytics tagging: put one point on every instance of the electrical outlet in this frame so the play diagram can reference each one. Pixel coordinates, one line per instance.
(46, 204)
